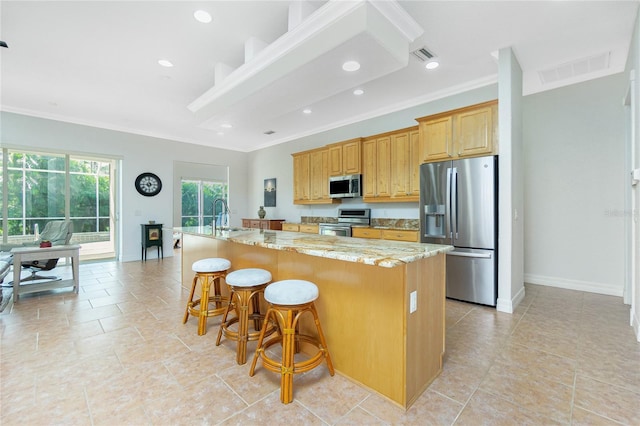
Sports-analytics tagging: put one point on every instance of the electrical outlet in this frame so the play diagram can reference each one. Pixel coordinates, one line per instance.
(413, 301)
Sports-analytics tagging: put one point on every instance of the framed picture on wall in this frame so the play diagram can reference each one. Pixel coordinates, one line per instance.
(270, 192)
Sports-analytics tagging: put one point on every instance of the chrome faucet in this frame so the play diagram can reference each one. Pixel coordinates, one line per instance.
(225, 210)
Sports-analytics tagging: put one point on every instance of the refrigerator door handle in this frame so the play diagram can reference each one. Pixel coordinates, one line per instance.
(454, 202)
(449, 223)
(476, 255)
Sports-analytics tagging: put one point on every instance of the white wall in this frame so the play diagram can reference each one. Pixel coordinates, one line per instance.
(574, 185)
(139, 154)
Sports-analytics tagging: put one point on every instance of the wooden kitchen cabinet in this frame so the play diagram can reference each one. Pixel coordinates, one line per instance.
(309, 228)
(311, 177)
(301, 184)
(319, 174)
(400, 235)
(437, 139)
(405, 165)
(358, 232)
(345, 158)
(291, 227)
(270, 224)
(465, 132)
(386, 234)
(377, 168)
(391, 166)
(474, 131)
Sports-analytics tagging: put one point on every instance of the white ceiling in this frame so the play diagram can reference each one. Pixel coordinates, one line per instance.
(95, 62)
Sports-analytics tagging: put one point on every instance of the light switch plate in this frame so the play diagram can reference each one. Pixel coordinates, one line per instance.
(413, 301)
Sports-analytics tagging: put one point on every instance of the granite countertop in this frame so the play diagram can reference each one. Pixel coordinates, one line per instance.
(384, 253)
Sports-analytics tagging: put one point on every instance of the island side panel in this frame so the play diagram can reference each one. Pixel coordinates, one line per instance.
(425, 326)
(361, 309)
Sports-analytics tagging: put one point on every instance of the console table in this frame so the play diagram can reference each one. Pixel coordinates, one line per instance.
(25, 254)
(270, 224)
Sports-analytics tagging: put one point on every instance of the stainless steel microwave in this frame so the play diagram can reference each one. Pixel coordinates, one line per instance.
(349, 186)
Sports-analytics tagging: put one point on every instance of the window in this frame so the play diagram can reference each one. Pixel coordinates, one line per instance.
(197, 201)
(89, 189)
(41, 187)
(35, 183)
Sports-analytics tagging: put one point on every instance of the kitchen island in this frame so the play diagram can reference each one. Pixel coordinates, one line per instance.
(366, 290)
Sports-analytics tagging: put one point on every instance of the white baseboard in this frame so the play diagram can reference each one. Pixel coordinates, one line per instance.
(590, 287)
(507, 306)
(504, 305)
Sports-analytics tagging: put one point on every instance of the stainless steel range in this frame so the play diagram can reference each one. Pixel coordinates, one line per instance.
(346, 219)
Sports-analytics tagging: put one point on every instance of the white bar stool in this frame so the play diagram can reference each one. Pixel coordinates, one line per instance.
(288, 300)
(246, 286)
(208, 271)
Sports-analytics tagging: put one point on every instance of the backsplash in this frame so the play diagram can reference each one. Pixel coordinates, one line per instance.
(318, 219)
(412, 224)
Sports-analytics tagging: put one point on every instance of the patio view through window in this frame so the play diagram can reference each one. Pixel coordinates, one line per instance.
(197, 201)
(40, 187)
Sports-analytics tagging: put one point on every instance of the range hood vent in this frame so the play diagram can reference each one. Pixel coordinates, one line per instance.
(423, 54)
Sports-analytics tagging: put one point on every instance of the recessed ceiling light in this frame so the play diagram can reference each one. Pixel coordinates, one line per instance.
(226, 126)
(202, 16)
(351, 66)
(432, 65)
(306, 111)
(165, 63)
(358, 92)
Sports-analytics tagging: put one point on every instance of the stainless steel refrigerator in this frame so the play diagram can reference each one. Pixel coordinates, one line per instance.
(458, 206)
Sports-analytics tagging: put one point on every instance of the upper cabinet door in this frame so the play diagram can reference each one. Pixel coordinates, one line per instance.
(400, 164)
(414, 163)
(301, 177)
(437, 140)
(369, 166)
(345, 158)
(351, 157)
(383, 167)
(474, 132)
(316, 183)
(335, 160)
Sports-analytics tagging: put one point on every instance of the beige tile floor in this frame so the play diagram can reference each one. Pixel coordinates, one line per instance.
(118, 354)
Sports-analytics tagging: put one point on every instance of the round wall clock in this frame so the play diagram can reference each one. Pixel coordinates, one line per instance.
(148, 184)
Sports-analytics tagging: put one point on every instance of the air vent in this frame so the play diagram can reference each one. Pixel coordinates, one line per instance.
(269, 132)
(576, 68)
(423, 54)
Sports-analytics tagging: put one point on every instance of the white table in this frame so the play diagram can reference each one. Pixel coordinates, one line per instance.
(25, 254)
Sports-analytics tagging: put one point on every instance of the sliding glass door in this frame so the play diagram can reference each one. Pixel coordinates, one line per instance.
(197, 201)
(40, 187)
